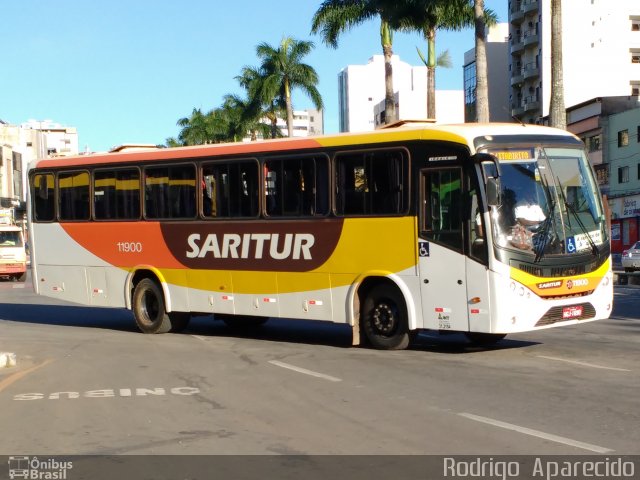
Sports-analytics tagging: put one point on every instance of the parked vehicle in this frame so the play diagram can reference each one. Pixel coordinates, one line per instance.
(631, 258)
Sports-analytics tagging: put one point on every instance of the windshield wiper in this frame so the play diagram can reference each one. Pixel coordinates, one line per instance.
(594, 248)
(543, 232)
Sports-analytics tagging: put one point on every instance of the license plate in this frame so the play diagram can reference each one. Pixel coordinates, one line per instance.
(571, 312)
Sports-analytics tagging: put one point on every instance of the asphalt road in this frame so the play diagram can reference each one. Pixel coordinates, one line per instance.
(88, 383)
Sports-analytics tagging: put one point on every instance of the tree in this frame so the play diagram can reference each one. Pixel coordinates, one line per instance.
(427, 17)
(260, 107)
(281, 70)
(557, 112)
(337, 16)
(482, 83)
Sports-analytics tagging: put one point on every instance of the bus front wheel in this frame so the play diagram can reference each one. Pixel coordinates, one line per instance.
(384, 319)
(148, 308)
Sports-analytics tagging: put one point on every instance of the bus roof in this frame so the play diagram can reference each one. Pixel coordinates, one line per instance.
(464, 134)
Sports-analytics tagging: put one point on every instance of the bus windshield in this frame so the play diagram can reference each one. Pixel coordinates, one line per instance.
(549, 203)
(10, 238)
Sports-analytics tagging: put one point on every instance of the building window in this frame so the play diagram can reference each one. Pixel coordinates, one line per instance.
(623, 138)
(593, 143)
(623, 174)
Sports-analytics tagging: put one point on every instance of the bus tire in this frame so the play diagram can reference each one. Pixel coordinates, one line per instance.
(484, 339)
(22, 277)
(148, 308)
(179, 321)
(384, 319)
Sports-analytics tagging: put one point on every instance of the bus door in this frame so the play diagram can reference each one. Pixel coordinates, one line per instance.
(442, 263)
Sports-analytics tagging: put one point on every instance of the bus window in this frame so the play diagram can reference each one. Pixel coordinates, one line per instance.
(170, 192)
(230, 189)
(73, 195)
(43, 197)
(296, 187)
(441, 210)
(372, 183)
(116, 194)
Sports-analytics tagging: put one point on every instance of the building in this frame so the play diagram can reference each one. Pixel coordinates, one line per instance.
(610, 129)
(27, 142)
(623, 148)
(306, 123)
(598, 37)
(361, 95)
(412, 105)
(497, 48)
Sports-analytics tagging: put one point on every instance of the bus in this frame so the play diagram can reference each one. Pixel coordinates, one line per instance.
(13, 255)
(392, 232)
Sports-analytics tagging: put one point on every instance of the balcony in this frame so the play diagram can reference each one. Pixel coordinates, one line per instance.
(516, 110)
(531, 70)
(517, 45)
(529, 6)
(531, 37)
(531, 103)
(517, 14)
(517, 77)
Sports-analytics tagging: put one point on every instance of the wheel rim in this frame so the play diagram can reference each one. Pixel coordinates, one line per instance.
(385, 318)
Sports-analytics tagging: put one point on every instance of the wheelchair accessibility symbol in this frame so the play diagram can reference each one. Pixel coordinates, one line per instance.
(571, 245)
(423, 249)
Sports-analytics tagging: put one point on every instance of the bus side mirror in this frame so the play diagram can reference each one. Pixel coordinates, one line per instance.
(493, 191)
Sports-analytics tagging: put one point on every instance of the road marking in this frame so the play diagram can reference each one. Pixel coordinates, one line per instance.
(20, 285)
(305, 371)
(583, 363)
(18, 375)
(537, 433)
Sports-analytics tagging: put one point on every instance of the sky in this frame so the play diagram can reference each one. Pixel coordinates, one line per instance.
(125, 71)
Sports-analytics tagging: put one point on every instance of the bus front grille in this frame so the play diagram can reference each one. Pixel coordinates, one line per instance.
(554, 314)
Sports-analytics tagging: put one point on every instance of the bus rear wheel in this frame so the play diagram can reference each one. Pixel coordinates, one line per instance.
(149, 308)
(384, 319)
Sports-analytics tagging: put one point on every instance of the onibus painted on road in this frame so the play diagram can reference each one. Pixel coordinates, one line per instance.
(385, 231)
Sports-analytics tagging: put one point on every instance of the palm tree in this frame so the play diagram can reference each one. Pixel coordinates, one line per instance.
(197, 129)
(282, 70)
(427, 17)
(337, 16)
(259, 107)
(557, 112)
(482, 83)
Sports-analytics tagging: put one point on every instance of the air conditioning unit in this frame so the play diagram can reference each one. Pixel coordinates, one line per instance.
(635, 91)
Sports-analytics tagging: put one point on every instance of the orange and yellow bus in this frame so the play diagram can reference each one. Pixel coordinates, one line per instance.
(482, 229)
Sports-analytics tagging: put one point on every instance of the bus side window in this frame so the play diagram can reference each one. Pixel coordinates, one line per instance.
(73, 197)
(43, 197)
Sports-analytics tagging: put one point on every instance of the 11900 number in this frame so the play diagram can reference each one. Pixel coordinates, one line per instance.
(129, 247)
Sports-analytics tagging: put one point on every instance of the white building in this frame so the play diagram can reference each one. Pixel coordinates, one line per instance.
(601, 52)
(306, 123)
(35, 140)
(362, 91)
(497, 49)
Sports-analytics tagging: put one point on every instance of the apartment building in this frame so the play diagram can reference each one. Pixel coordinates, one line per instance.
(601, 53)
(497, 49)
(26, 142)
(361, 95)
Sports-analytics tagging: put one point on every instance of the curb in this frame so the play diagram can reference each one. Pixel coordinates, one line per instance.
(7, 360)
